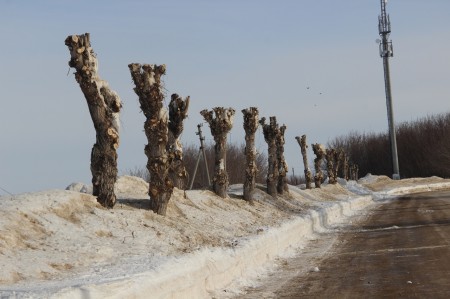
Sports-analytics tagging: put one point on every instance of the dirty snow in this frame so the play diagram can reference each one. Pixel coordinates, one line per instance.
(63, 244)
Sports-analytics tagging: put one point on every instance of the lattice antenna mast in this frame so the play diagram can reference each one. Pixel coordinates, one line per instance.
(386, 51)
(201, 151)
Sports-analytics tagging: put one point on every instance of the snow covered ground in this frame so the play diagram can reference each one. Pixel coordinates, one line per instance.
(62, 244)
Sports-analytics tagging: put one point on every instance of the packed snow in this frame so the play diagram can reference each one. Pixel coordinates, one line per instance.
(63, 244)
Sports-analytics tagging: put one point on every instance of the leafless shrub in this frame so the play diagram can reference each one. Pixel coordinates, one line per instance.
(423, 148)
(235, 162)
(141, 172)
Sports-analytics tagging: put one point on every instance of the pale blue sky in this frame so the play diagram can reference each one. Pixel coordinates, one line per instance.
(222, 53)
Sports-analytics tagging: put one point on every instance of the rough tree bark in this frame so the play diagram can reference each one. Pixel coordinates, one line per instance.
(270, 132)
(104, 106)
(330, 153)
(282, 186)
(303, 146)
(147, 79)
(220, 122)
(251, 118)
(319, 151)
(178, 109)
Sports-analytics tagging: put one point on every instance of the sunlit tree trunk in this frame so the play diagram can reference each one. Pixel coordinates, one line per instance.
(303, 146)
(251, 118)
(220, 122)
(319, 151)
(178, 109)
(147, 79)
(270, 132)
(282, 186)
(104, 106)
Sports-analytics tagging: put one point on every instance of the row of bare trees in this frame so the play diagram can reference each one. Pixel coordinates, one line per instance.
(164, 151)
(163, 127)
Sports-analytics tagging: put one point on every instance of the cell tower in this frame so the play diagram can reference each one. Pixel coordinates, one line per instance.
(386, 51)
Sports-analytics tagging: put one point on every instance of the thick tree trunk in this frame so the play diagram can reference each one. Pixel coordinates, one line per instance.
(104, 106)
(282, 186)
(319, 151)
(147, 79)
(270, 132)
(303, 146)
(251, 118)
(178, 109)
(330, 153)
(220, 122)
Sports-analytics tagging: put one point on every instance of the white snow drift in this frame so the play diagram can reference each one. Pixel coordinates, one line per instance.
(62, 244)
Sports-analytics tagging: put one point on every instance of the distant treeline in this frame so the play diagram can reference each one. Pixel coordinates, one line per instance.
(423, 148)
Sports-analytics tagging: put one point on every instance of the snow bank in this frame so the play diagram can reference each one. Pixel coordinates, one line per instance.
(62, 244)
(205, 272)
(415, 189)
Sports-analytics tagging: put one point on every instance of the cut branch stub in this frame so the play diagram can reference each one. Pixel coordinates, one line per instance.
(147, 79)
(319, 151)
(178, 109)
(270, 132)
(303, 146)
(220, 122)
(104, 106)
(250, 126)
(282, 186)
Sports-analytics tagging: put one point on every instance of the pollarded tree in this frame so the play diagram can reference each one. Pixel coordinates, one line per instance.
(270, 132)
(220, 122)
(250, 126)
(330, 153)
(303, 146)
(178, 109)
(147, 79)
(319, 151)
(282, 186)
(104, 106)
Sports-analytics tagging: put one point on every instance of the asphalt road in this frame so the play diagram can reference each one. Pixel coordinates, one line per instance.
(400, 250)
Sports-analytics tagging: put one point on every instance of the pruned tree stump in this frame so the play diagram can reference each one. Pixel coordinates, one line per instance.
(220, 122)
(147, 79)
(270, 132)
(319, 151)
(330, 153)
(104, 106)
(303, 146)
(178, 109)
(251, 124)
(282, 186)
